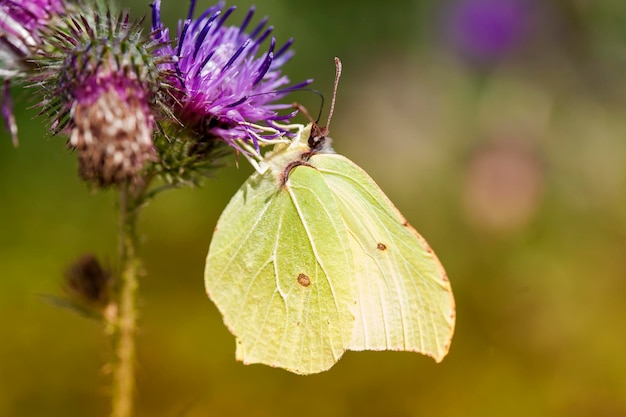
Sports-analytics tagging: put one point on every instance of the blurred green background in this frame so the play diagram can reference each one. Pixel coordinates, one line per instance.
(498, 127)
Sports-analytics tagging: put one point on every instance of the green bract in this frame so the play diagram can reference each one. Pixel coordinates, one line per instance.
(310, 259)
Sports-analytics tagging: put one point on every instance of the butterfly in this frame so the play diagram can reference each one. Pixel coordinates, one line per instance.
(310, 259)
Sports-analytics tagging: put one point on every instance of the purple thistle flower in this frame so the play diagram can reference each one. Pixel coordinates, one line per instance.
(225, 88)
(20, 25)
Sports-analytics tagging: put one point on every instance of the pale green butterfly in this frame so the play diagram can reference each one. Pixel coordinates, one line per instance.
(310, 259)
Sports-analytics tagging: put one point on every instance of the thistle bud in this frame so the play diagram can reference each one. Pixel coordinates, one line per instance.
(88, 283)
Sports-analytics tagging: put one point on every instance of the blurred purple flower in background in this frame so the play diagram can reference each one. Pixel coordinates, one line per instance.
(504, 184)
(226, 87)
(20, 25)
(486, 30)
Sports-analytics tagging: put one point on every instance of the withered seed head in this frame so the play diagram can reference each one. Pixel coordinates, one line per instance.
(113, 138)
(102, 86)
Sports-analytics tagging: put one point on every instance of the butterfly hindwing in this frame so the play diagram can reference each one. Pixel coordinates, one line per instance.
(404, 298)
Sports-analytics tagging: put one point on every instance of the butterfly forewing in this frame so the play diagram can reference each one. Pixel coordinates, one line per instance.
(276, 270)
(404, 298)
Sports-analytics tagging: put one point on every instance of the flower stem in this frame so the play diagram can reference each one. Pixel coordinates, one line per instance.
(124, 317)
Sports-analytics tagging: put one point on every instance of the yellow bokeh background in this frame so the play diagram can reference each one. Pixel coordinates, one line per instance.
(510, 161)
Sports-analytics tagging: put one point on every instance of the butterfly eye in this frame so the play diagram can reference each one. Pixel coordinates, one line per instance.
(318, 137)
(315, 142)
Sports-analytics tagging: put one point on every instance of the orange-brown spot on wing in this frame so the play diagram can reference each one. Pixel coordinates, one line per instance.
(304, 280)
(381, 246)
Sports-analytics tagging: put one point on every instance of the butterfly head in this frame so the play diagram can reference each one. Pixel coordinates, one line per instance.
(318, 138)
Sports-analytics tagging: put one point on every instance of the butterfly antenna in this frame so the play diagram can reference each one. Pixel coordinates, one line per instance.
(332, 103)
(304, 111)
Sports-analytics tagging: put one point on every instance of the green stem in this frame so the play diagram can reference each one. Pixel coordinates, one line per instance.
(123, 321)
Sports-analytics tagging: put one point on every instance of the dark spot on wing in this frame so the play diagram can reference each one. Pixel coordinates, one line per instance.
(381, 246)
(304, 280)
